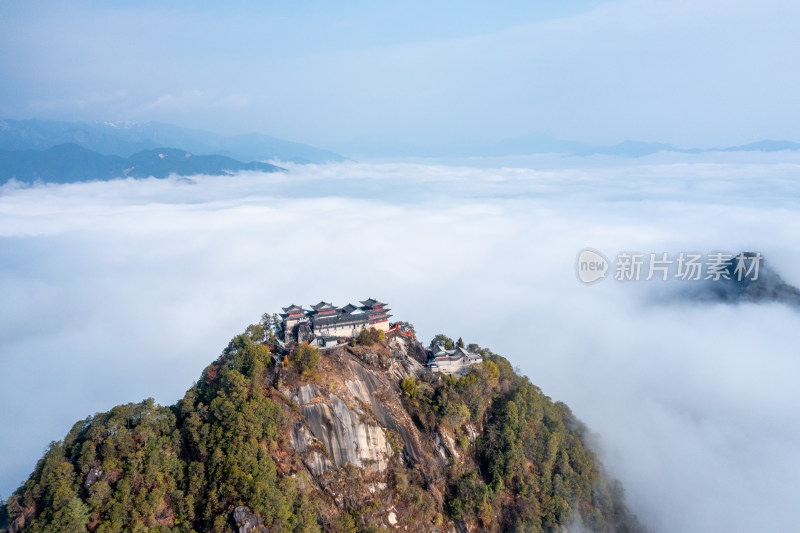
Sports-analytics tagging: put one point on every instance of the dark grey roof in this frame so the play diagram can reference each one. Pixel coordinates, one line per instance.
(322, 305)
(349, 308)
(447, 359)
(371, 302)
(293, 307)
(344, 318)
(330, 320)
(440, 354)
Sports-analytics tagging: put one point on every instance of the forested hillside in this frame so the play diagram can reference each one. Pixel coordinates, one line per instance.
(358, 438)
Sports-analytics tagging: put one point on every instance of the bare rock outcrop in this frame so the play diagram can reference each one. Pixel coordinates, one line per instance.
(248, 522)
(404, 347)
(356, 416)
(94, 475)
(348, 436)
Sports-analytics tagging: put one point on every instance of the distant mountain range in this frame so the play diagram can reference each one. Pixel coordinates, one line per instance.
(61, 152)
(639, 149)
(69, 162)
(125, 139)
(540, 144)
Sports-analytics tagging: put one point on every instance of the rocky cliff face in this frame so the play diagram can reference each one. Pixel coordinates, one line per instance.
(354, 414)
(347, 431)
(360, 404)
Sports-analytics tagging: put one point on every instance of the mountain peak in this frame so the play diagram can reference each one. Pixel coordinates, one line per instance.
(360, 436)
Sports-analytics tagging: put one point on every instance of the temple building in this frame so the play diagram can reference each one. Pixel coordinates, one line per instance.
(324, 320)
(455, 361)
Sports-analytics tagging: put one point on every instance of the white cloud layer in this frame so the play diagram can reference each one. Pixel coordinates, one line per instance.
(116, 291)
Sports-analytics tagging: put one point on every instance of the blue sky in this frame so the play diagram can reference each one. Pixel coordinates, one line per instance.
(694, 73)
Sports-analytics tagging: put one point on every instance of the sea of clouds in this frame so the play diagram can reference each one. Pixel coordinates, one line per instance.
(117, 291)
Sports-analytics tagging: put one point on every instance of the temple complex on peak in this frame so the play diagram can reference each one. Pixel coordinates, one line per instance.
(325, 322)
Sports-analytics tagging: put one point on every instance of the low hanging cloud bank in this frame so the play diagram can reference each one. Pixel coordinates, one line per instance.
(121, 290)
